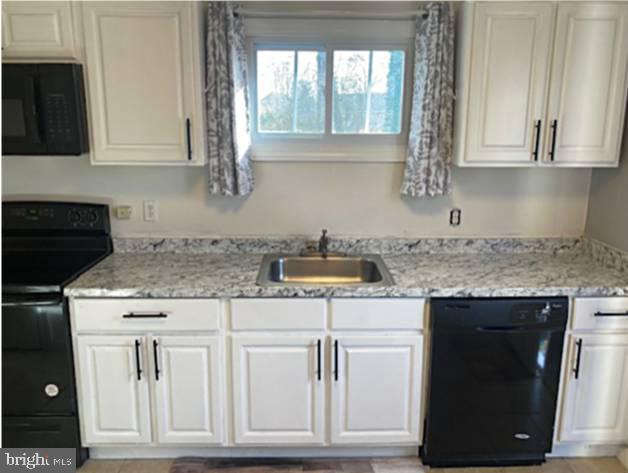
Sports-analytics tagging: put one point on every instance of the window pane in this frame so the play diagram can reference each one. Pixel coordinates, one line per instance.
(290, 91)
(368, 91)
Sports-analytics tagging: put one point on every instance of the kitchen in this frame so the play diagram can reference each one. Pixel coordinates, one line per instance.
(266, 235)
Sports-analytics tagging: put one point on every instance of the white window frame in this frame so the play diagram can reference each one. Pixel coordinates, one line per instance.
(329, 35)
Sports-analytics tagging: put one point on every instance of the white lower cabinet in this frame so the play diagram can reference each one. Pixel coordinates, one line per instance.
(278, 396)
(596, 396)
(114, 389)
(376, 389)
(188, 389)
(118, 372)
(299, 372)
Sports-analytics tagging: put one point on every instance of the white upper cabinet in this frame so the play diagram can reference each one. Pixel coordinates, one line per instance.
(541, 84)
(188, 389)
(507, 83)
(38, 30)
(278, 390)
(588, 87)
(145, 82)
(596, 395)
(376, 391)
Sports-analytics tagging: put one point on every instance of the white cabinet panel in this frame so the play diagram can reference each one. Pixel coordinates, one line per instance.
(188, 389)
(596, 402)
(38, 30)
(115, 407)
(144, 81)
(588, 89)
(278, 397)
(143, 315)
(508, 80)
(376, 393)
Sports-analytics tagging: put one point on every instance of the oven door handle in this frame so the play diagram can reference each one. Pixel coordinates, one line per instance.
(47, 302)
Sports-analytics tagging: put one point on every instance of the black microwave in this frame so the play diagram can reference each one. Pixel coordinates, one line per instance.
(43, 109)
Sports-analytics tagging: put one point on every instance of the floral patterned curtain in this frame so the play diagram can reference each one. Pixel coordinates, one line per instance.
(428, 162)
(228, 132)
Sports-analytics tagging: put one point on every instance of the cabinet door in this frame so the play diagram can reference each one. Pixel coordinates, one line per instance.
(278, 396)
(376, 390)
(596, 402)
(188, 388)
(37, 30)
(112, 379)
(510, 57)
(588, 89)
(144, 81)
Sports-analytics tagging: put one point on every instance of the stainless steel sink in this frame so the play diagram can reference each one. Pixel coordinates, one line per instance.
(332, 270)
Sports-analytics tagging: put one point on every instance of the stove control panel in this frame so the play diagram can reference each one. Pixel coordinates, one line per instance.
(55, 216)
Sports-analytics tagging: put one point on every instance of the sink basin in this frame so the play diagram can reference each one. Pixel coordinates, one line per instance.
(315, 270)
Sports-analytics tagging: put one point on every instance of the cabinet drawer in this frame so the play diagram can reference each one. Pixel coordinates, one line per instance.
(377, 314)
(278, 314)
(123, 315)
(604, 313)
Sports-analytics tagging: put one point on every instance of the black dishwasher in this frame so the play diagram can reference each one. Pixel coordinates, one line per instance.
(494, 374)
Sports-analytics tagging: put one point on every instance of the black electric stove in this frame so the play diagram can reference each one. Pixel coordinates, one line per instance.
(45, 245)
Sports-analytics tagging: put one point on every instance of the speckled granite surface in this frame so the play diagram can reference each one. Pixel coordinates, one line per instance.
(607, 255)
(480, 274)
(254, 245)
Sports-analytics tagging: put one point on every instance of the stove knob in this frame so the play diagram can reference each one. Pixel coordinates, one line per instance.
(74, 216)
(92, 217)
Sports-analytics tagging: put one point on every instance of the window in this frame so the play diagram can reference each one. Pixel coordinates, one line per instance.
(336, 90)
(368, 91)
(290, 91)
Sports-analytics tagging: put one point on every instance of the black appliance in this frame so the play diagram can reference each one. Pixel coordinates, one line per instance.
(45, 245)
(494, 376)
(43, 109)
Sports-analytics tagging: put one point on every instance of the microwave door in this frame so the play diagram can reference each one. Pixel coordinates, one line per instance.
(21, 130)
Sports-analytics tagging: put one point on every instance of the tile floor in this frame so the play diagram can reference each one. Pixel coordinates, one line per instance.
(389, 465)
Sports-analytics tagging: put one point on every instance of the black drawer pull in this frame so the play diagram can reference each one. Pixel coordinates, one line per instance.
(188, 137)
(576, 370)
(336, 360)
(154, 315)
(156, 355)
(537, 132)
(611, 314)
(318, 359)
(552, 151)
(138, 363)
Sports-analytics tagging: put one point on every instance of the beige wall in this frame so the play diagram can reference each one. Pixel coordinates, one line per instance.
(301, 198)
(608, 206)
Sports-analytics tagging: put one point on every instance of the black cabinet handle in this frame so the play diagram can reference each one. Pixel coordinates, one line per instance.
(138, 363)
(156, 355)
(148, 315)
(611, 314)
(336, 360)
(552, 152)
(537, 139)
(188, 135)
(318, 359)
(576, 370)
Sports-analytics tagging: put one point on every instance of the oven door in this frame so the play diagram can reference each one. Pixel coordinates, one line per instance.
(21, 111)
(37, 370)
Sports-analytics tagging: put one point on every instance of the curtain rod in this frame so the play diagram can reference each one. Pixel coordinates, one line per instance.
(332, 14)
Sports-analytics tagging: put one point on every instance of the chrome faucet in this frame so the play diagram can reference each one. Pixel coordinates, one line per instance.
(323, 244)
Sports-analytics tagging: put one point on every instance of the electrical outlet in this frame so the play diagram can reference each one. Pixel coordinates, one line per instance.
(123, 212)
(151, 213)
(455, 217)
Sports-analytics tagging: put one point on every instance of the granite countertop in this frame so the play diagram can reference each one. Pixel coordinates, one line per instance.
(155, 275)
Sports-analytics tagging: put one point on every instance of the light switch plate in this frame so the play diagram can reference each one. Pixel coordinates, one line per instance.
(151, 213)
